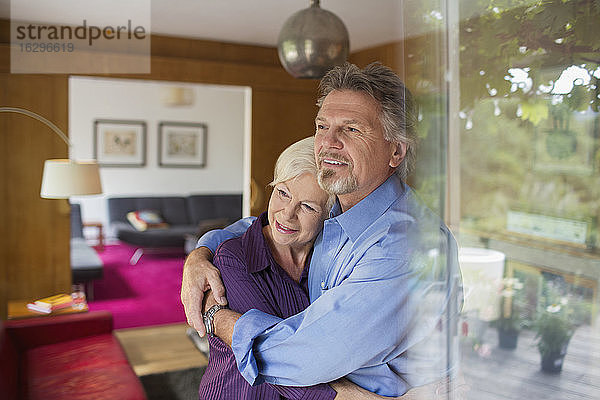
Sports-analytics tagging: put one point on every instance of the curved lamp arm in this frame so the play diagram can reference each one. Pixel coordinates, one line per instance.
(64, 178)
(39, 118)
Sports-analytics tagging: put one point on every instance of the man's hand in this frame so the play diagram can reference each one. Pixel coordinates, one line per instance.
(347, 390)
(439, 390)
(200, 275)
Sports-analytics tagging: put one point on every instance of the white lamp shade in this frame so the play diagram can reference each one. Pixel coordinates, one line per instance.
(65, 178)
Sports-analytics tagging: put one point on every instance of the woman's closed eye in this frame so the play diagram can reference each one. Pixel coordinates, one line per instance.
(283, 193)
(307, 207)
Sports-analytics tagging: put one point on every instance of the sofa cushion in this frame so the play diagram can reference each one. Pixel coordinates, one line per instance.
(172, 209)
(90, 367)
(83, 255)
(218, 206)
(146, 219)
(86, 265)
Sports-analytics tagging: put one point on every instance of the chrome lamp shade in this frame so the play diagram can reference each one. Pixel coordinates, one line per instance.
(312, 41)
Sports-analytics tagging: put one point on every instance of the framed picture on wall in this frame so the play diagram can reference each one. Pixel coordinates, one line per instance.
(182, 144)
(119, 143)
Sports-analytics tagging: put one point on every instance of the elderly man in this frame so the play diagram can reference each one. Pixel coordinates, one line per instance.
(383, 279)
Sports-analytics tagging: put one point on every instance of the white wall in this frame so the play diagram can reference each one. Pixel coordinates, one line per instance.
(224, 109)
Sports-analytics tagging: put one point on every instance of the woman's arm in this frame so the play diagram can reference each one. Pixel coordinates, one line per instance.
(244, 292)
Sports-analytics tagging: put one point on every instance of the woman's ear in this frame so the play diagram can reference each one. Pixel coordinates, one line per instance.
(399, 152)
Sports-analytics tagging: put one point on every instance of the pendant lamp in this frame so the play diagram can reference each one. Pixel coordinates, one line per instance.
(312, 41)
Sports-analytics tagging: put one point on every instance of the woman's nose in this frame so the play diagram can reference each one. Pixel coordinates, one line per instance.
(289, 211)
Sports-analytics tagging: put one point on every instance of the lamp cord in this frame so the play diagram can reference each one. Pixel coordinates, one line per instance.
(39, 118)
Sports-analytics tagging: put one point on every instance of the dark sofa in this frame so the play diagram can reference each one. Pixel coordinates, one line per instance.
(73, 356)
(187, 217)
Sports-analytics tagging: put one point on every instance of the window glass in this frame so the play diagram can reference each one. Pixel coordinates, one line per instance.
(529, 196)
(509, 95)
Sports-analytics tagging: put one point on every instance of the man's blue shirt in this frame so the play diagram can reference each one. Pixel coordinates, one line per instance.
(381, 281)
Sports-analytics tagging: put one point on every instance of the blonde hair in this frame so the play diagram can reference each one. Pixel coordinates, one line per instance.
(297, 159)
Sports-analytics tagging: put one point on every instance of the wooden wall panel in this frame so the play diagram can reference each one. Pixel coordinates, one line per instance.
(34, 251)
(391, 55)
(170, 47)
(277, 121)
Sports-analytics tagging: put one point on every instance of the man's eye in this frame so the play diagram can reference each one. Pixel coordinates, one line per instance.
(320, 126)
(354, 130)
(282, 193)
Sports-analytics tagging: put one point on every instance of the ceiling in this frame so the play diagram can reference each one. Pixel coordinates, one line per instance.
(257, 22)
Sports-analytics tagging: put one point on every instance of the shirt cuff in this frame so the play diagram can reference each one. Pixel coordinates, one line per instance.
(249, 326)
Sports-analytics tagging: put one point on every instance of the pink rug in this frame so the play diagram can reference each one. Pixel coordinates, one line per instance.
(139, 295)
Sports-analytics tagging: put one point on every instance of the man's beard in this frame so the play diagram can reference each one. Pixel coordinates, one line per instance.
(328, 182)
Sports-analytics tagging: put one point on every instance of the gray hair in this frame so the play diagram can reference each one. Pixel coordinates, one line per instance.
(297, 159)
(397, 107)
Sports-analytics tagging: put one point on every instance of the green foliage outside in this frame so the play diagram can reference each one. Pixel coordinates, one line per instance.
(523, 145)
(529, 138)
(542, 36)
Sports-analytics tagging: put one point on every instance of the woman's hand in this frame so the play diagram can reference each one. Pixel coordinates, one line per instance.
(200, 275)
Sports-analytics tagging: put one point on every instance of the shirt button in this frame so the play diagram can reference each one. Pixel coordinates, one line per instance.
(322, 284)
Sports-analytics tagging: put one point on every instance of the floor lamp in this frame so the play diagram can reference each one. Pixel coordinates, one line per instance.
(63, 178)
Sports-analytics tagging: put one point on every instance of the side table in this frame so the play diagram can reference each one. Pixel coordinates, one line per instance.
(100, 237)
(17, 309)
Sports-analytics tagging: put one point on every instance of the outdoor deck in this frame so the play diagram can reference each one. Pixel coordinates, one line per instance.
(516, 374)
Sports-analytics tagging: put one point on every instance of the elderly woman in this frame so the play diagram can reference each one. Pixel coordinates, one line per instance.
(267, 269)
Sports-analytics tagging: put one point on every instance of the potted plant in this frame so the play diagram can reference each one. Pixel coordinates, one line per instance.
(510, 322)
(555, 326)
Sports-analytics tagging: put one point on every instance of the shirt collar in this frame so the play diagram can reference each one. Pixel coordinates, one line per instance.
(258, 256)
(356, 220)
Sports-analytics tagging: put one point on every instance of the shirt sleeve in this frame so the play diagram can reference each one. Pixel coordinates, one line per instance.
(214, 238)
(380, 310)
(243, 293)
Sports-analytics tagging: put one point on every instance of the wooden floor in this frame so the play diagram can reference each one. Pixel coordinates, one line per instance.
(160, 349)
(515, 374)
